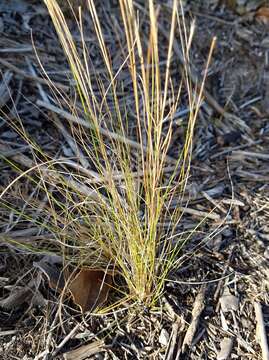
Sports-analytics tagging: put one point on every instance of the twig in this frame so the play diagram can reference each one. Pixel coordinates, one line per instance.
(173, 342)
(56, 177)
(215, 203)
(198, 213)
(85, 351)
(250, 154)
(215, 18)
(221, 282)
(198, 307)
(249, 176)
(4, 87)
(22, 49)
(260, 329)
(67, 338)
(71, 142)
(8, 332)
(107, 133)
(230, 150)
(31, 77)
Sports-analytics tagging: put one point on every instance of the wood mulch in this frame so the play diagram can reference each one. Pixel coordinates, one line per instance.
(212, 305)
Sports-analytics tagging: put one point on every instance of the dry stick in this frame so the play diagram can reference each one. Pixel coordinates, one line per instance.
(8, 332)
(175, 331)
(198, 307)
(31, 77)
(71, 142)
(215, 203)
(221, 282)
(232, 150)
(22, 49)
(85, 351)
(67, 338)
(203, 214)
(261, 332)
(109, 134)
(4, 87)
(20, 233)
(250, 154)
(28, 163)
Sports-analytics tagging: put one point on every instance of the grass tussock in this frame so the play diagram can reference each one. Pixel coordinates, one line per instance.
(109, 207)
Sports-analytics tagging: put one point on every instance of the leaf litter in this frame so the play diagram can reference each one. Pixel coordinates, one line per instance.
(229, 173)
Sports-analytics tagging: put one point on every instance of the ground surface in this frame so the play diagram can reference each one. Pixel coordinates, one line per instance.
(225, 268)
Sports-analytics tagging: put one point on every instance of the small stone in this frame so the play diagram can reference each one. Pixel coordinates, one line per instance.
(227, 232)
(266, 254)
(228, 301)
(226, 346)
(164, 337)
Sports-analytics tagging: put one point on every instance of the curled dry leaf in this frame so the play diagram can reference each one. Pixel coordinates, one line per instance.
(90, 288)
(262, 15)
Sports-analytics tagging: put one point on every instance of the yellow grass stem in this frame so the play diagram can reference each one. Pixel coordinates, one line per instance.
(119, 222)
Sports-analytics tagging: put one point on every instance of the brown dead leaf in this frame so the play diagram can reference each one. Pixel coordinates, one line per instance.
(90, 287)
(262, 15)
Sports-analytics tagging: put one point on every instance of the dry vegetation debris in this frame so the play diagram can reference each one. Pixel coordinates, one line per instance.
(219, 292)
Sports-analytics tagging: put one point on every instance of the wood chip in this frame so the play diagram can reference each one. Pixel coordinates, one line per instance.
(85, 351)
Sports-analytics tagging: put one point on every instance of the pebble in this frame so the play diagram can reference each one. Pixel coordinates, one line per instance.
(266, 253)
(164, 337)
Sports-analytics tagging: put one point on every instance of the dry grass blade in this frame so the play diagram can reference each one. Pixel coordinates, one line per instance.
(86, 124)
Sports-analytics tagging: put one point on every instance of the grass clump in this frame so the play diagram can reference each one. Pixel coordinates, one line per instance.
(109, 207)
